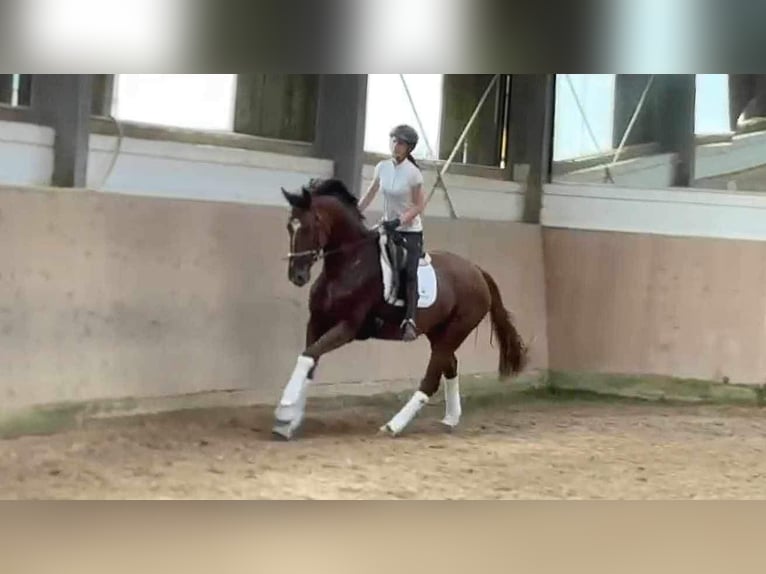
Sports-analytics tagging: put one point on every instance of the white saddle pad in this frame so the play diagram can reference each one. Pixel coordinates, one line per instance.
(427, 284)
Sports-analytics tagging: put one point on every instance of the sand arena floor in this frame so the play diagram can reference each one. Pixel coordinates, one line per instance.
(520, 448)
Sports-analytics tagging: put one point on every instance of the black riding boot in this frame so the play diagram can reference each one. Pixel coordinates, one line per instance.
(414, 243)
(395, 256)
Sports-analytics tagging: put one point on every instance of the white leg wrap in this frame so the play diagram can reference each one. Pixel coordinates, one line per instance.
(290, 418)
(407, 413)
(301, 405)
(294, 396)
(452, 410)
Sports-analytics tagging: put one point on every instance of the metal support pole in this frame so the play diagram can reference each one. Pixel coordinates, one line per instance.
(538, 124)
(63, 102)
(341, 113)
(632, 122)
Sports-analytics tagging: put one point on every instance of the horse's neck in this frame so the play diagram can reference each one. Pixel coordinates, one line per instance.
(345, 233)
(355, 242)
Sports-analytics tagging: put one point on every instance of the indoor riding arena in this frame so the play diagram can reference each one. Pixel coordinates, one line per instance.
(148, 327)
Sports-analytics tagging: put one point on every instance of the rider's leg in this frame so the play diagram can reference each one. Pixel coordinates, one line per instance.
(395, 264)
(414, 243)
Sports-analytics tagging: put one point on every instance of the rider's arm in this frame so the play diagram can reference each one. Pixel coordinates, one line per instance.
(418, 197)
(370, 195)
(371, 191)
(419, 204)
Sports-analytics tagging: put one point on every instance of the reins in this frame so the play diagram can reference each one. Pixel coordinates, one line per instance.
(320, 253)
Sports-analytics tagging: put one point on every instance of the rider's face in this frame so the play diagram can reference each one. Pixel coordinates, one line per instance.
(399, 149)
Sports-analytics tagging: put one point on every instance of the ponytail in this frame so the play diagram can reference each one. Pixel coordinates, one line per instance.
(412, 159)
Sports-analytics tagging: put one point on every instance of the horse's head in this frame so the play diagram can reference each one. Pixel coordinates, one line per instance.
(307, 236)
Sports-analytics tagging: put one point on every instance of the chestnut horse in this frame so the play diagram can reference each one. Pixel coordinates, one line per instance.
(347, 303)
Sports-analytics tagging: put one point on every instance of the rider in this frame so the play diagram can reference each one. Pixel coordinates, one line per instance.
(403, 203)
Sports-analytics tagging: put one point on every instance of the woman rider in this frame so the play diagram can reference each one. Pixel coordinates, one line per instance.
(403, 203)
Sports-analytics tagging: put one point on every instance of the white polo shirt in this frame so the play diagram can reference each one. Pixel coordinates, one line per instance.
(396, 183)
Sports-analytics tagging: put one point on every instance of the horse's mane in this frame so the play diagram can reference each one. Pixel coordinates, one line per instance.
(337, 189)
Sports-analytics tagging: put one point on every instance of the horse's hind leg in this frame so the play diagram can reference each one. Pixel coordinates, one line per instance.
(452, 407)
(428, 387)
(444, 343)
(447, 342)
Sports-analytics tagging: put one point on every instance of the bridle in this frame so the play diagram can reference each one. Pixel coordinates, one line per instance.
(316, 253)
(319, 252)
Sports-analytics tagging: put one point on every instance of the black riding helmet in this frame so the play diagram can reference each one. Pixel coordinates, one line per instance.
(406, 134)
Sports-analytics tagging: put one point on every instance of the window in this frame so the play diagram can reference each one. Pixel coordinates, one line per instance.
(388, 105)
(196, 101)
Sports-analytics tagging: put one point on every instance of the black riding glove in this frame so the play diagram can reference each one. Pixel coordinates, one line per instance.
(392, 225)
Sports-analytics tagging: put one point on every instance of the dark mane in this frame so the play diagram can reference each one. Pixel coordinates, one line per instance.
(337, 189)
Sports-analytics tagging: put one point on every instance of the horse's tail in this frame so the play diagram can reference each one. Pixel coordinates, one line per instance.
(513, 352)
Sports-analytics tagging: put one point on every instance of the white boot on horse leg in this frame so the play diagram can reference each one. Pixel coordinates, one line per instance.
(289, 412)
(397, 424)
(286, 427)
(452, 407)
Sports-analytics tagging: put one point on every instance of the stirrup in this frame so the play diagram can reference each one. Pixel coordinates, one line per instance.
(413, 331)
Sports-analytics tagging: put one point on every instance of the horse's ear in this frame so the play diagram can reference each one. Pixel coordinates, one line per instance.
(299, 201)
(292, 198)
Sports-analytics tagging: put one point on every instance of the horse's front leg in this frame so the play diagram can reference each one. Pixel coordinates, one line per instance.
(292, 405)
(289, 412)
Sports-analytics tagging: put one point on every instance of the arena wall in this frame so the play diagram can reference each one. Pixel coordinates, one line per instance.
(166, 277)
(26, 153)
(656, 281)
(169, 279)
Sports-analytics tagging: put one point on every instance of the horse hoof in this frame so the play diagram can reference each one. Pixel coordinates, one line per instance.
(448, 424)
(387, 430)
(283, 431)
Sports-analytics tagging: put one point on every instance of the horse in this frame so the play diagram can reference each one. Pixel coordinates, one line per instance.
(347, 303)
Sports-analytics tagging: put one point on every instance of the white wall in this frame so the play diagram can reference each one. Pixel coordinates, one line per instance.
(188, 171)
(201, 172)
(26, 154)
(640, 201)
(647, 171)
(743, 152)
(676, 212)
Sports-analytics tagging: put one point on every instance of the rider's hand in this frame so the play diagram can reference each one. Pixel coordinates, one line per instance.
(392, 225)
